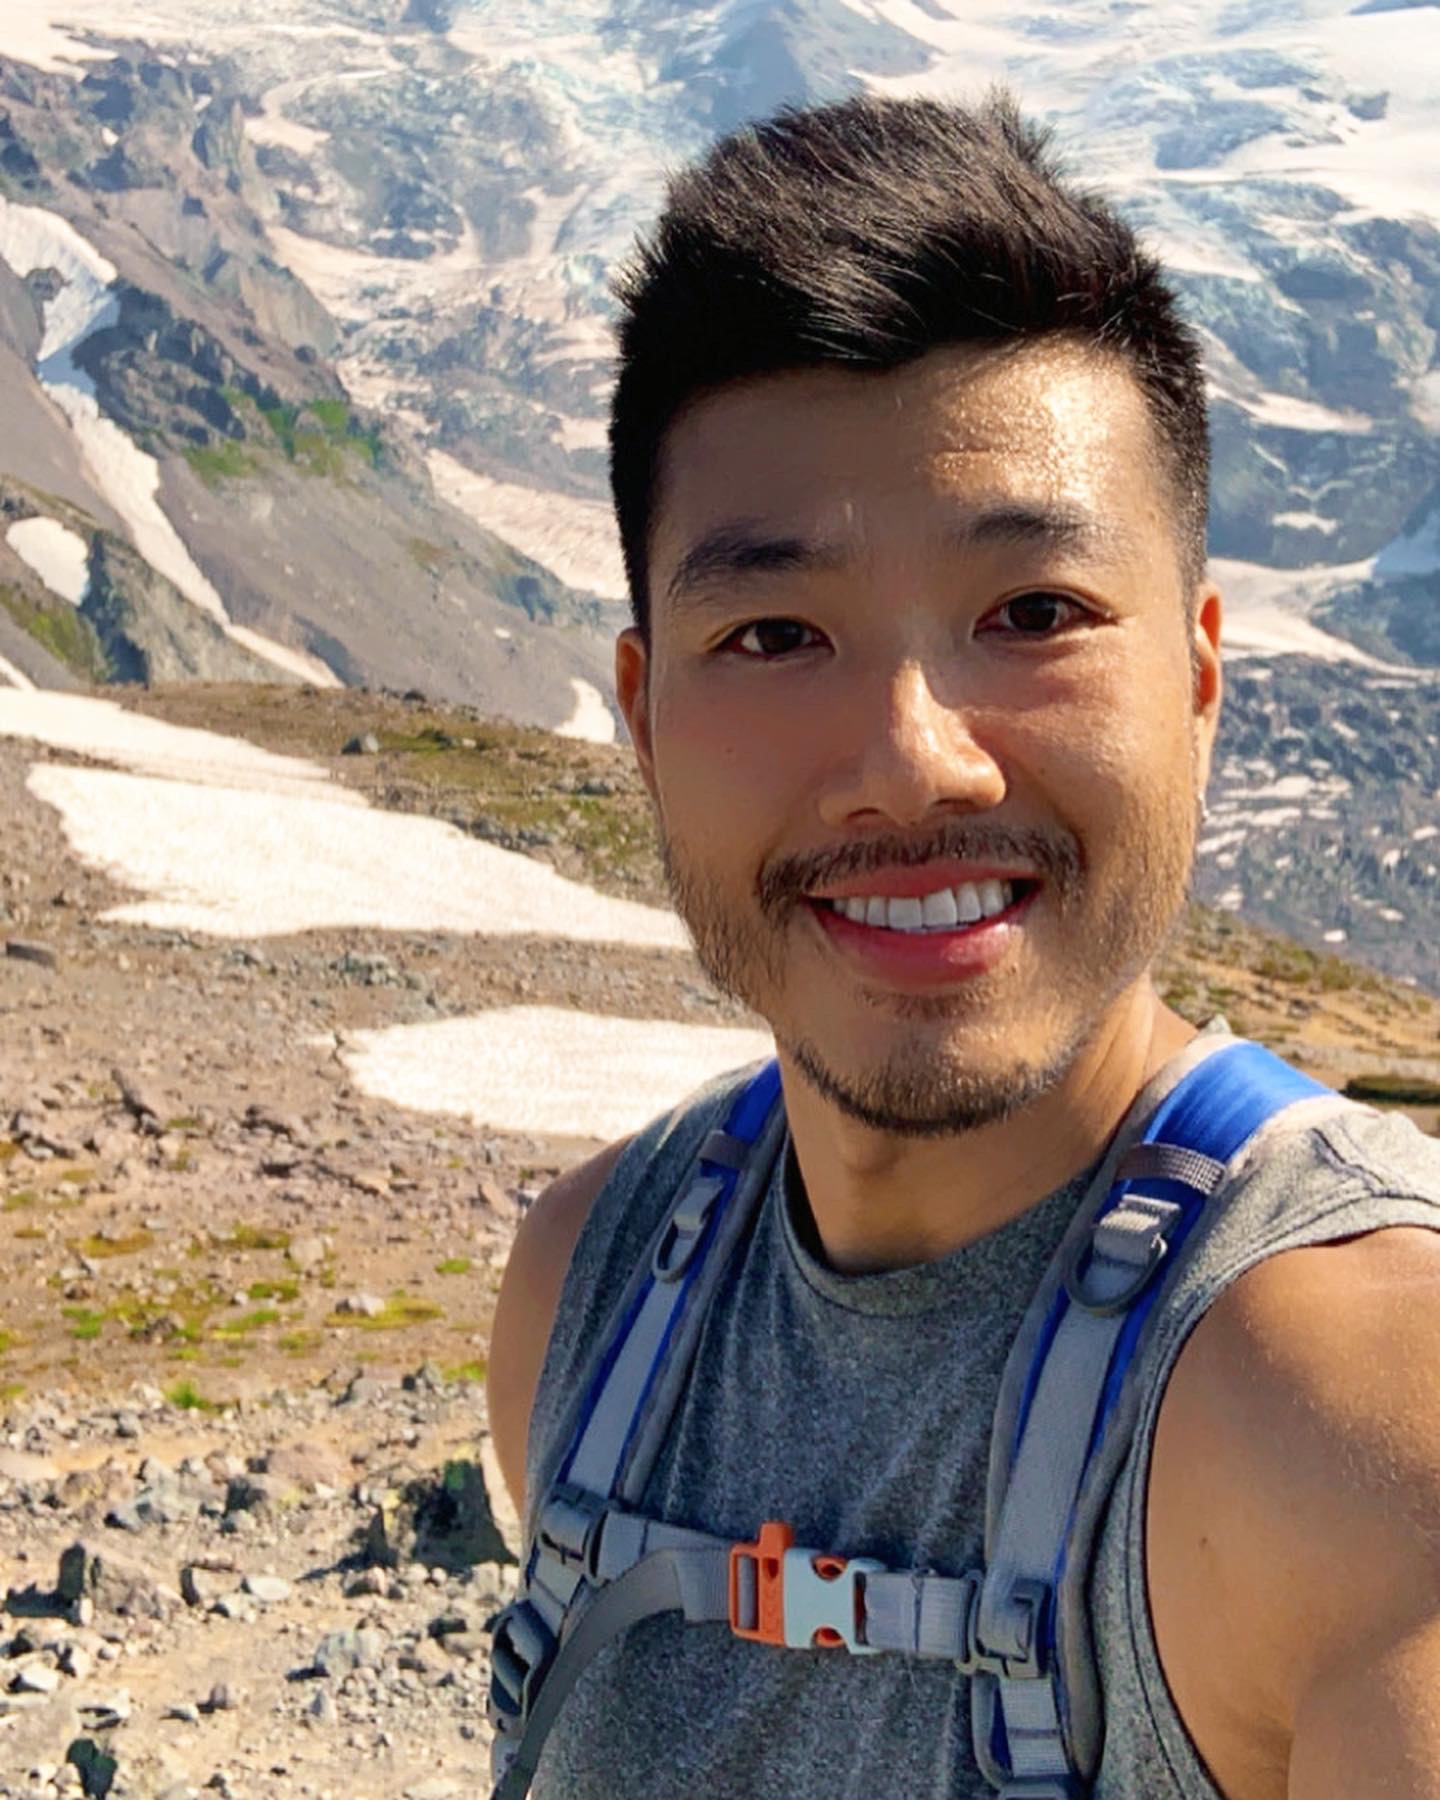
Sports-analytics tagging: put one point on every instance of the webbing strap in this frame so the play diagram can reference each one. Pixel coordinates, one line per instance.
(693, 1582)
(623, 1417)
(1071, 1394)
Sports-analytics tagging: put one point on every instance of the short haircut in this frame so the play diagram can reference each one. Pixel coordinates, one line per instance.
(865, 234)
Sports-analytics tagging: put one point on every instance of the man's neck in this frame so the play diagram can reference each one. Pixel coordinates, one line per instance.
(883, 1202)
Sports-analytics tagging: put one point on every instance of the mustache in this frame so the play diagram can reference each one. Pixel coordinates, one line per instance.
(1054, 856)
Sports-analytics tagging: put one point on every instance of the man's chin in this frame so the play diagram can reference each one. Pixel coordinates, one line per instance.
(945, 1095)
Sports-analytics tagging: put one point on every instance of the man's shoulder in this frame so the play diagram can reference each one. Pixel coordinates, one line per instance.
(1298, 1446)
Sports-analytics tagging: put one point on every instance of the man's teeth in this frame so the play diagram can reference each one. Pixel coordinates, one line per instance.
(941, 911)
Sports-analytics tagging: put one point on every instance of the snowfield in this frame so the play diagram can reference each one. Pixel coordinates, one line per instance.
(505, 1068)
(225, 839)
(59, 556)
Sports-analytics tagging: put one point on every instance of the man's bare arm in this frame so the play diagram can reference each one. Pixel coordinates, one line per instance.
(1294, 1518)
(525, 1310)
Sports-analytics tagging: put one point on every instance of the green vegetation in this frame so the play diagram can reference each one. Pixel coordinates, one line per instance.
(8, 1149)
(284, 1291)
(318, 437)
(84, 1323)
(59, 629)
(225, 461)
(453, 1265)
(400, 1310)
(97, 1248)
(249, 1237)
(466, 1371)
(21, 1200)
(252, 1321)
(187, 1397)
(299, 1343)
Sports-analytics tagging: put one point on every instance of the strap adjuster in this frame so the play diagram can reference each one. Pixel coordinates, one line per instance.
(1022, 1658)
(520, 1657)
(798, 1599)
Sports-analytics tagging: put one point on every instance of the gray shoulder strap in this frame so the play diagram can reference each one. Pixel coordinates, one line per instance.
(1067, 1409)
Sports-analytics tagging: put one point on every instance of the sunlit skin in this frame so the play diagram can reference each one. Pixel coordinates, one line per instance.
(837, 689)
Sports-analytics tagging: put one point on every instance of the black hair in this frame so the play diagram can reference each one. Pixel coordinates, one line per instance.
(864, 234)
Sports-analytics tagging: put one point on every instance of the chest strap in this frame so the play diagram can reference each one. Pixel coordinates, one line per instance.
(1018, 1628)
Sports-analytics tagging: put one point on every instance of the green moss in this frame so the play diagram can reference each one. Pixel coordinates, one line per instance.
(84, 1323)
(187, 1397)
(60, 630)
(225, 461)
(453, 1265)
(466, 1371)
(98, 1248)
(274, 1290)
(252, 1321)
(252, 1237)
(400, 1310)
(21, 1200)
(299, 1343)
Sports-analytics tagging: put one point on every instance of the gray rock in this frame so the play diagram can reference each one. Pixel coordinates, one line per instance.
(269, 1588)
(338, 1652)
(322, 1708)
(89, 1572)
(367, 744)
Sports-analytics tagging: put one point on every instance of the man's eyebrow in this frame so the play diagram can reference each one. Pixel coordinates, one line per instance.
(1042, 525)
(738, 548)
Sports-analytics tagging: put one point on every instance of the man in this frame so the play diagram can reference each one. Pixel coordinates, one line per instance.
(910, 464)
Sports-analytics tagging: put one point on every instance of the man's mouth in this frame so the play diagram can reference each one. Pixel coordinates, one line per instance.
(946, 910)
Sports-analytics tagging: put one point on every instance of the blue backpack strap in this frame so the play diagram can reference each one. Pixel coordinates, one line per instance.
(1036, 1703)
(621, 1421)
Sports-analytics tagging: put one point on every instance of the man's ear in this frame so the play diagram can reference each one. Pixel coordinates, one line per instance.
(632, 692)
(1208, 679)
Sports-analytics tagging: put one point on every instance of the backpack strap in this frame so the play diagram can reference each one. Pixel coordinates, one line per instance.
(1036, 1708)
(581, 1536)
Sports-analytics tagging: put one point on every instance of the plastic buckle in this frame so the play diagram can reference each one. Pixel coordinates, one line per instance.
(1023, 1658)
(520, 1658)
(798, 1599)
(757, 1584)
(570, 1523)
(686, 1227)
(824, 1601)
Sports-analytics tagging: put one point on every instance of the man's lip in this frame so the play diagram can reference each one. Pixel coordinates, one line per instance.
(915, 882)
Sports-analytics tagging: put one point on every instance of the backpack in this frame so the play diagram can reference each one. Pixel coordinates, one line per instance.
(1017, 1627)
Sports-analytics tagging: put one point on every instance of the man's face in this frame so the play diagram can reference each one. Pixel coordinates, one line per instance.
(918, 644)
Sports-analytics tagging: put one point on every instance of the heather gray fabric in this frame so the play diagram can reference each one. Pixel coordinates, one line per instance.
(859, 1409)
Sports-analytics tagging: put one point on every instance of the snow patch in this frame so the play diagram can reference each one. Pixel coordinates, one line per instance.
(59, 556)
(229, 862)
(1417, 554)
(499, 1068)
(104, 729)
(590, 718)
(575, 539)
(1308, 521)
(8, 672)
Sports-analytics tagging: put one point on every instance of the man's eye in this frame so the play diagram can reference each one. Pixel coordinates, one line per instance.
(768, 638)
(1036, 615)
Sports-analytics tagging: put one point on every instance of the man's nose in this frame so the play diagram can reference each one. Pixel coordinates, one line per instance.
(915, 753)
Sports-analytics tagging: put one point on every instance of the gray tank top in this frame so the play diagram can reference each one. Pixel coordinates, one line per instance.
(858, 1408)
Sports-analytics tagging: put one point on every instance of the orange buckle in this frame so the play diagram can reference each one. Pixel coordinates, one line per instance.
(757, 1584)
